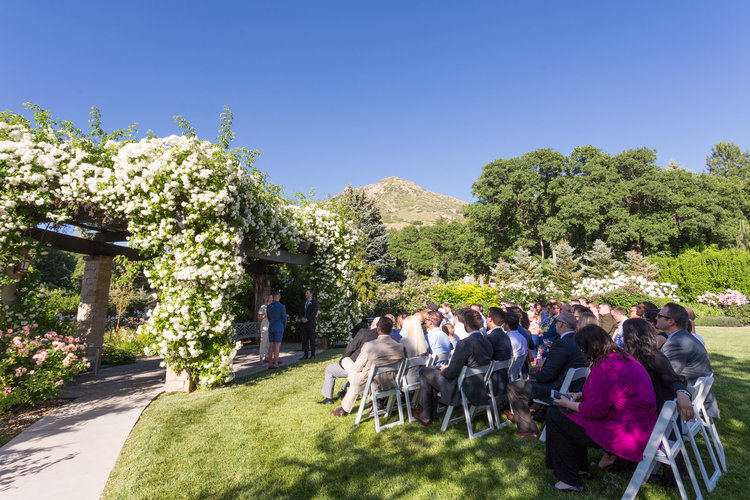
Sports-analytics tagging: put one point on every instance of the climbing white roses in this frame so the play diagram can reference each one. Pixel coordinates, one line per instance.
(193, 207)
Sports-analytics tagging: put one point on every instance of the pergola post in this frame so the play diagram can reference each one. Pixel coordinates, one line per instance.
(92, 309)
(9, 291)
(262, 286)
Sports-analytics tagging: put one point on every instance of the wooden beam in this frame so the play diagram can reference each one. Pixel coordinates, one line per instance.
(284, 257)
(76, 244)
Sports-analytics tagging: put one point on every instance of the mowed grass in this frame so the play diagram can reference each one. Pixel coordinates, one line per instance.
(264, 437)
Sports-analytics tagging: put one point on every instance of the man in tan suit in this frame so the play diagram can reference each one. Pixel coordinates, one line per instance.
(379, 352)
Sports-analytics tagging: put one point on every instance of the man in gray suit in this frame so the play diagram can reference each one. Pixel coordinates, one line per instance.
(379, 352)
(685, 353)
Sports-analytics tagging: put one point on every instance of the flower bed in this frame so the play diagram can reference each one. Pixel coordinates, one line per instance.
(35, 365)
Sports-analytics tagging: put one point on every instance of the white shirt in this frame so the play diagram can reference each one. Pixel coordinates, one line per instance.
(459, 331)
(519, 343)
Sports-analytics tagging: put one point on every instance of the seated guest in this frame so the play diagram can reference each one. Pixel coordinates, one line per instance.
(345, 364)
(691, 326)
(563, 355)
(518, 341)
(379, 352)
(616, 411)
(586, 318)
(412, 337)
(396, 332)
(458, 323)
(447, 313)
(437, 341)
(620, 315)
(685, 353)
(502, 350)
(449, 331)
(473, 351)
(606, 320)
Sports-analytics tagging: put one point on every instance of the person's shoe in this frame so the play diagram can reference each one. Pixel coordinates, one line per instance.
(339, 412)
(567, 487)
(326, 401)
(510, 416)
(305, 357)
(422, 420)
(533, 435)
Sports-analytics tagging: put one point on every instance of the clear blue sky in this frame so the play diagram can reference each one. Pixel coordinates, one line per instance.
(351, 92)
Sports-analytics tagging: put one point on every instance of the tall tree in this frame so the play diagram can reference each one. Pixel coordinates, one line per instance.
(564, 268)
(638, 265)
(515, 199)
(600, 261)
(728, 160)
(369, 220)
(524, 266)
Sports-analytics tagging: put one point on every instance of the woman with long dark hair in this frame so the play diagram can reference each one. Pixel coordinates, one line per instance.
(615, 411)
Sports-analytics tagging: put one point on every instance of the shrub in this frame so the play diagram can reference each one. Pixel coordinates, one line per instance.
(465, 294)
(624, 297)
(694, 271)
(741, 313)
(35, 365)
(410, 296)
(718, 321)
(122, 347)
(728, 298)
(702, 310)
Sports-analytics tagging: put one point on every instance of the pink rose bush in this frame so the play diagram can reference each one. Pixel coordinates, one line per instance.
(35, 364)
(728, 298)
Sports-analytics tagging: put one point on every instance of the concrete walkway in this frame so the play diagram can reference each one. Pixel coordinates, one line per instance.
(70, 453)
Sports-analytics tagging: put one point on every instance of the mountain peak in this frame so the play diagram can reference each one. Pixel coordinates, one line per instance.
(402, 202)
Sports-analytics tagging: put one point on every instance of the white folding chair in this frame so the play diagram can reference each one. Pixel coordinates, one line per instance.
(573, 375)
(710, 426)
(662, 450)
(514, 372)
(498, 366)
(696, 426)
(439, 359)
(469, 410)
(410, 365)
(373, 393)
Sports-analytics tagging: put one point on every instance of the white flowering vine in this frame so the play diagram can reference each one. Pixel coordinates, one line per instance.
(191, 206)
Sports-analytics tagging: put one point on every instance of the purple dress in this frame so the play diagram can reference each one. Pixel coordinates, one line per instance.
(619, 407)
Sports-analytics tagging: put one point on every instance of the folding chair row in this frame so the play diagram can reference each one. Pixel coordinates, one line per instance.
(703, 424)
(663, 447)
(372, 393)
(469, 409)
(409, 367)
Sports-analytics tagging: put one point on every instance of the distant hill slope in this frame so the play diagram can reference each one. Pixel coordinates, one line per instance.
(402, 202)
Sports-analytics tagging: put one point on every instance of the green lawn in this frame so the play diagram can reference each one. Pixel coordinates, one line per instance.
(263, 437)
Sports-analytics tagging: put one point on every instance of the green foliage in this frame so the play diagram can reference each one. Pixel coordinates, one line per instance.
(637, 265)
(409, 296)
(123, 346)
(709, 270)
(625, 297)
(702, 310)
(61, 302)
(564, 268)
(465, 294)
(525, 267)
(600, 261)
(455, 246)
(728, 160)
(724, 321)
(741, 313)
(57, 269)
(502, 271)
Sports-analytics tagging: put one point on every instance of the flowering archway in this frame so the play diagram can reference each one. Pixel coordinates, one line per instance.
(195, 209)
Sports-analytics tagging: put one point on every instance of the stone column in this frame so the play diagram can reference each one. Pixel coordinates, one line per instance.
(9, 291)
(92, 310)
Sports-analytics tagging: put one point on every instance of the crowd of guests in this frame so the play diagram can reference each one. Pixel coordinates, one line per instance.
(638, 359)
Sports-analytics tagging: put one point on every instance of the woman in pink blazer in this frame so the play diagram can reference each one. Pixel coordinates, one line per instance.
(616, 411)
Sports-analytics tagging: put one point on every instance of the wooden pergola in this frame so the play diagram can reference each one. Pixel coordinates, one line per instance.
(107, 241)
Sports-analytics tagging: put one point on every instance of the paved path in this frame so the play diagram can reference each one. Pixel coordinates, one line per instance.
(70, 453)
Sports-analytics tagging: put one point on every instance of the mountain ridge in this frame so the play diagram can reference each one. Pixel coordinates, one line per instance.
(402, 202)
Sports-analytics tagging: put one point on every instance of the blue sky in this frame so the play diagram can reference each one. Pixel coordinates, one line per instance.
(352, 92)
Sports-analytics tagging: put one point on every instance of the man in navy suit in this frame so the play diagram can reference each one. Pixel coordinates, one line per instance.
(309, 314)
(563, 355)
(473, 351)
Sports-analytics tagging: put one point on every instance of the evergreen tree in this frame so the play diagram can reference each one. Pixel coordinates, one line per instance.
(525, 266)
(370, 221)
(637, 265)
(743, 236)
(502, 272)
(564, 267)
(600, 261)
(728, 160)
